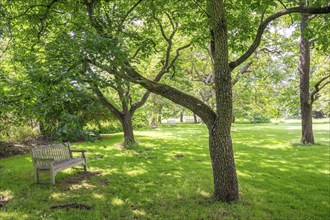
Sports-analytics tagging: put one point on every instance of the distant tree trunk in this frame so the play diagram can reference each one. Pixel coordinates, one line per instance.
(160, 114)
(195, 118)
(181, 116)
(153, 123)
(126, 122)
(304, 71)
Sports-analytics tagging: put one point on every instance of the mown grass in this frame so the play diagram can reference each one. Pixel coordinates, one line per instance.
(169, 176)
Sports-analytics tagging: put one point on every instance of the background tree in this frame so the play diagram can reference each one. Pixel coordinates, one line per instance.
(308, 97)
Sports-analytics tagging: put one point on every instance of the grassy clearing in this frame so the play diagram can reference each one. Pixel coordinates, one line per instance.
(169, 176)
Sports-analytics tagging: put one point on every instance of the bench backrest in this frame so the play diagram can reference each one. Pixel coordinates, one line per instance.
(57, 152)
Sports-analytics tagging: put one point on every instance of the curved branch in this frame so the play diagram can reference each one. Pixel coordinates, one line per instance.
(245, 69)
(169, 64)
(140, 103)
(105, 102)
(317, 88)
(161, 29)
(176, 96)
(321, 80)
(264, 24)
(158, 77)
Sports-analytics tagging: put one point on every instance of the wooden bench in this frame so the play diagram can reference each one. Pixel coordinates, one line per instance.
(55, 158)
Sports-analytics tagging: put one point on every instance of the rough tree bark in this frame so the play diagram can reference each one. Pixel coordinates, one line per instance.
(304, 72)
(126, 121)
(220, 143)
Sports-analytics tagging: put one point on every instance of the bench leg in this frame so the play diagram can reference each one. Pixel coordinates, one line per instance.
(36, 175)
(52, 177)
(85, 166)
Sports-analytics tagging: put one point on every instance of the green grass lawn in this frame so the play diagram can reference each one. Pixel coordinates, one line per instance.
(169, 176)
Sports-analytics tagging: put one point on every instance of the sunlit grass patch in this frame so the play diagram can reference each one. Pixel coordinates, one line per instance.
(169, 176)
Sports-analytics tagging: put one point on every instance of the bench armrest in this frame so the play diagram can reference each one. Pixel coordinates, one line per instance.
(77, 151)
(83, 151)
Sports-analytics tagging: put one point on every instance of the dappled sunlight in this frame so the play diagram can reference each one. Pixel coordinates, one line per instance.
(291, 128)
(6, 194)
(204, 193)
(243, 174)
(5, 197)
(60, 196)
(135, 172)
(98, 196)
(83, 185)
(117, 202)
(139, 212)
(327, 172)
(155, 134)
(14, 215)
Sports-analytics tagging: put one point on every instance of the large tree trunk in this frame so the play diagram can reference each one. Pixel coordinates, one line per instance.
(221, 150)
(223, 164)
(304, 71)
(126, 122)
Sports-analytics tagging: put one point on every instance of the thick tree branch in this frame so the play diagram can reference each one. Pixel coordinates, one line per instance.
(187, 101)
(158, 77)
(99, 93)
(264, 24)
(105, 102)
